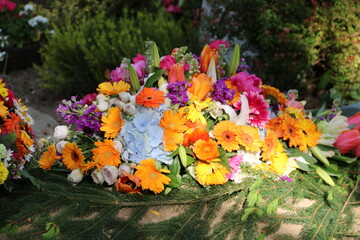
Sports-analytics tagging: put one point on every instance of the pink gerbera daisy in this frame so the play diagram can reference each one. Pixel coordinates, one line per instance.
(259, 114)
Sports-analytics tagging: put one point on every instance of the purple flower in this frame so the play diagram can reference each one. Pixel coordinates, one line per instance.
(177, 93)
(221, 92)
(287, 178)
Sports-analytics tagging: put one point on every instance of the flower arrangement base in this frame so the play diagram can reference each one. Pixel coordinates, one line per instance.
(21, 58)
(302, 209)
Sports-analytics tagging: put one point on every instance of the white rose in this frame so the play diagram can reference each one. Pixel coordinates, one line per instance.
(110, 174)
(101, 97)
(75, 176)
(124, 168)
(103, 106)
(97, 176)
(60, 146)
(118, 145)
(61, 132)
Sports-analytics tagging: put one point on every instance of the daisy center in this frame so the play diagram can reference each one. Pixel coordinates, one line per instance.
(153, 175)
(228, 136)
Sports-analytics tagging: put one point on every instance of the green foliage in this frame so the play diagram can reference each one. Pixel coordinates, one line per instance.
(302, 43)
(78, 55)
(231, 211)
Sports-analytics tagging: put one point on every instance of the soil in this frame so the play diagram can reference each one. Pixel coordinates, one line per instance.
(26, 85)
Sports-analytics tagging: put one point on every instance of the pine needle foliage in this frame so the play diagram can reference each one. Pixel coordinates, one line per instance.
(250, 210)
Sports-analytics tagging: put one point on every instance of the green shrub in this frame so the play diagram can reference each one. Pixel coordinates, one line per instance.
(76, 57)
(298, 43)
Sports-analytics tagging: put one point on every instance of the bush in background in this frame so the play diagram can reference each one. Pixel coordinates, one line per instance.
(76, 57)
(308, 45)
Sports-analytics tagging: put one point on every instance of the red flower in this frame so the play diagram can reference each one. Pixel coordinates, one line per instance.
(347, 141)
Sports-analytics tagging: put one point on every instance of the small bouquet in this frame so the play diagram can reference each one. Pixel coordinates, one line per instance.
(160, 120)
(17, 139)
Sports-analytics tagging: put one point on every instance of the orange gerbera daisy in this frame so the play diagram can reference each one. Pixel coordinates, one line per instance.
(310, 132)
(173, 121)
(72, 156)
(225, 134)
(12, 124)
(26, 139)
(104, 154)
(151, 177)
(211, 173)
(150, 97)
(48, 157)
(172, 140)
(274, 92)
(112, 123)
(248, 137)
(292, 131)
(271, 146)
(3, 109)
(206, 150)
(113, 88)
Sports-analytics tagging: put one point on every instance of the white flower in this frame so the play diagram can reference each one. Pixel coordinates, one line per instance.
(130, 109)
(101, 97)
(163, 87)
(75, 176)
(60, 146)
(216, 110)
(124, 97)
(251, 158)
(52, 32)
(97, 176)
(103, 106)
(124, 168)
(118, 145)
(29, 8)
(2, 54)
(338, 124)
(110, 173)
(61, 132)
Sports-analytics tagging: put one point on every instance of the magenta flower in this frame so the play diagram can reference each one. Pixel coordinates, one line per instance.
(347, 141)
(259, 114)
(215, 44)
(245, 82)
(140, 67)
(167, 62)
(89, 98)
(139, 57)
(9, 5)
(119, 74)
(234, 164)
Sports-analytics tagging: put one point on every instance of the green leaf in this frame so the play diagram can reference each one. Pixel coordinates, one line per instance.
(183, 156)
(344, 159)
(324, 80)
(319, 155)
(303, 166)
(297, 153)
(256, 184)
(10, 229)
(252, 198)
(25, 174)
(259, 212)
(153, 78)
(52, 230)
(325, 176)
(330, 196)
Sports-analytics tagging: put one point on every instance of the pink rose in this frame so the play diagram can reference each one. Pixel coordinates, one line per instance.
(215, 44)
(245, 82)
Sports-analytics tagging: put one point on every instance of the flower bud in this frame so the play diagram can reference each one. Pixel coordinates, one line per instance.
(75, 176)
(124, 97)
(97, 176)
(101, 97)
(118, 145)
(110, 174)
(124, 168)
(129, 109)
(60, 146)
(103, 106)
(61, 132)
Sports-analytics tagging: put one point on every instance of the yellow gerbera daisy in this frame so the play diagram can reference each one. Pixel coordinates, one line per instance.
(47, 159)
(113, 88)
(211, 173)
(112, 123)
(4, 173)
(224, 132)
(310, 132)
(279, 163)
(3, 109)
(248, 137)
(271, 146)
(104, 154)
(151, 178)
(72, 156)
(3, 90)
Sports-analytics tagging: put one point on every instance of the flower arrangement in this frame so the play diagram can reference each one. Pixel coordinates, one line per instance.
(20, 25)
(17, 140)
(158, 120)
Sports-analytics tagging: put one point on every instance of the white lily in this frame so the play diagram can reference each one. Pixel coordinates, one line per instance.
(244, 112)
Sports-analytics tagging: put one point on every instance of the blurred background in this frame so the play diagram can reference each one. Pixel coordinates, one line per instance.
(68, 45)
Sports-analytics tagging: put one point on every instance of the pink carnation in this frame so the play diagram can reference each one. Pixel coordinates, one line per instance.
(167, 62)
(234, 164)
(245, 82)
(139, 57)
(4, 4)
(215, 44)
(259, 114)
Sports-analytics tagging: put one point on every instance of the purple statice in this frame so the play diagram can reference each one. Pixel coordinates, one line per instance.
(286, 178)
(79, 113)
(221, 92)
(177, 93)
(243, 67)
